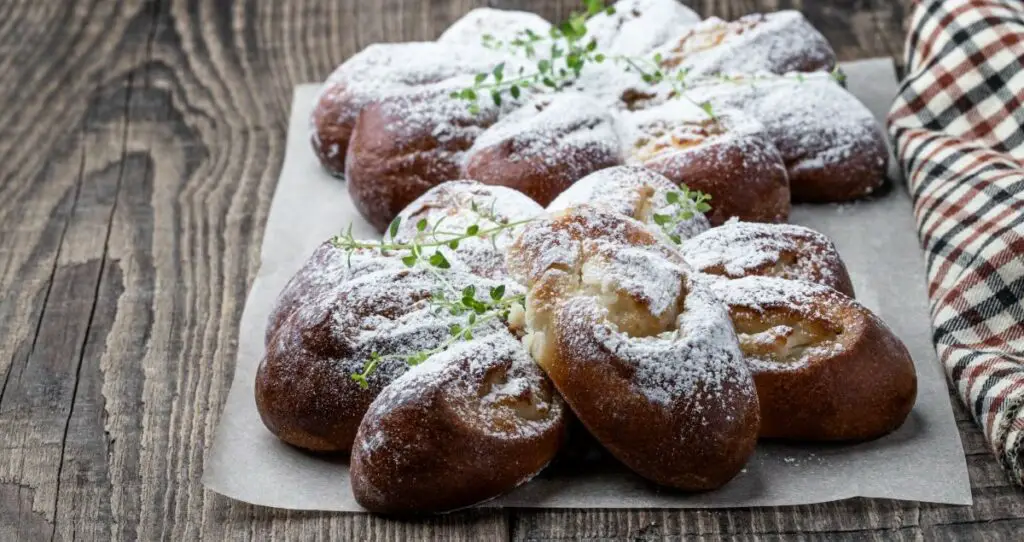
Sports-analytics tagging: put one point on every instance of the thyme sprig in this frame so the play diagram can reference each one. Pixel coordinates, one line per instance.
(476, 312)
(426, 251)
(684, 204)
(559, 59)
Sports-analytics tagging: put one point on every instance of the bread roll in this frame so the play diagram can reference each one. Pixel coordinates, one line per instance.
(502, 25)
(779, 43)
(463, 427)
(644, 356)
(833, 147)
(545, 146)
(740, 249)
(381, 70)
(407, 144)
(304, 390)
(455, 206)
(825, 367)
(727, 157)
(634, 191)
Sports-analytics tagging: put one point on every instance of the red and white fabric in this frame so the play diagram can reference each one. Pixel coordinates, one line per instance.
(958, 127)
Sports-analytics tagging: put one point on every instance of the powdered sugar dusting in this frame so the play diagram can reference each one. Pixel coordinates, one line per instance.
(491, 383)
(502, 25)
(634, 191)
(815, 121)
(554, 129)
(448, 209)
(638, 26)
(738, 249)
(777, 42)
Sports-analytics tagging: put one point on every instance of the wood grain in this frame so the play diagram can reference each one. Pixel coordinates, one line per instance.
(141, 141)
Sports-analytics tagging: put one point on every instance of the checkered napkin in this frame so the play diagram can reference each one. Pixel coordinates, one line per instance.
(957, 126)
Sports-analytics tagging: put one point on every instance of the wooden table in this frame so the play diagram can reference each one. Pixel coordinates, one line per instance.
(140, 145)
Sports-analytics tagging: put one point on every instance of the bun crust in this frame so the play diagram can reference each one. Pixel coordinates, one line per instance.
(727, 157)
(825, 367)
(741, 249)
(452, 205)
(634, 191)
(645, 356)
(544, 147)
(397, 152)
(465, 426)
(304, 390)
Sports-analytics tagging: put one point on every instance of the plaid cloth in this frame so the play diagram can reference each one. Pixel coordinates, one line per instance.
(957, 127)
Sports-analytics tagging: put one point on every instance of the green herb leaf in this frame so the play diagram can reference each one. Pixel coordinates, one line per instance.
(409, 261)
(514, 91)
(421, 225)
(393, 228)
(472, 230)
(672, 197)
(498, 292)
(469, 292)
(438, 260)
(661, 220)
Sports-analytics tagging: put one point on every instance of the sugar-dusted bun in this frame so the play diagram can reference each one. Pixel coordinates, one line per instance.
(826, 368)
(545, 146)
(320, 277)
(780, 42)
(454, 207)
(728, 157)
(407, 144)
(502, 25)
(377, 71)
(740, 249)
(832, 145)
(645, 356)
(634, 191)
(304, 390)
(638, 26)
(463, 427)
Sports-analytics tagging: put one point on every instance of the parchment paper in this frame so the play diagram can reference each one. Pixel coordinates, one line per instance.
(922, 461)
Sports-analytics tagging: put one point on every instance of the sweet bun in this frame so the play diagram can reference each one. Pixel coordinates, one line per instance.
(463, 427)
(779, 42)
(325, 270)
(406, 144)
(634, 191)
(545, 146)
(501, 25)
(454, 207)
(831, 144)
(740, 249)
(728, 157)
(304, 390)
(825, 367)
(644, 355)
(378, 71)
(639, 26)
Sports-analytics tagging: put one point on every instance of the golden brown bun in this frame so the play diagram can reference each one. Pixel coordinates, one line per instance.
(825, 367)
(634, 191)
(545, 146)
(644, 355)
(381, 70)
(831, 143)
(727, 157)
(304, 390)
(463, 427)
(740, 249)
(780, 43)
(451, 206)
(397, 151)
